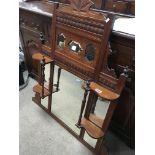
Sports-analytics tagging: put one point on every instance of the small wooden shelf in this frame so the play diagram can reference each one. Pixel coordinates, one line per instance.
(39, 57)
(97, 120)
(38, 89)
(103, 92)
(46, 85)
(93, 130)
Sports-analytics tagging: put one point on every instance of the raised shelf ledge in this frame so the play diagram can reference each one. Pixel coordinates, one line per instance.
(39, 57)
(92, 130)
(97, 120)
(103, 92)
(38, 89)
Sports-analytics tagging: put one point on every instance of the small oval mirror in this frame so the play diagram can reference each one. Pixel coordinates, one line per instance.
(75, 46)
(61, 41)
(90, 52)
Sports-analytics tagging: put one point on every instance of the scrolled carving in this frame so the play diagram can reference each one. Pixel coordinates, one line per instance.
(81, 5)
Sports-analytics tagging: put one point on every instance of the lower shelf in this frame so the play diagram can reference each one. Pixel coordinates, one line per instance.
(96, 120)
(38, 89)
(93, 130)
(39, 57)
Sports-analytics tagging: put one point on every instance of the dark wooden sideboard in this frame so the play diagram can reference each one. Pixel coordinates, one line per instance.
(35, 20)
(120, 6)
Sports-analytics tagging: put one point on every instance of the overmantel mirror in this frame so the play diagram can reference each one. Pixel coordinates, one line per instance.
(79, 53)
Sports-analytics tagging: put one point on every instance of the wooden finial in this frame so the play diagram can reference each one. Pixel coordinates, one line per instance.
(43, 60)
(87, 85)
(126, 71)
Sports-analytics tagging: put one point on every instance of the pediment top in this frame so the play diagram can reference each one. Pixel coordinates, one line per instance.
(81, 5)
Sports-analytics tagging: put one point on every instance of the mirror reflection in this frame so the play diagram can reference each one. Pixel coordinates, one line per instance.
(90, 52)
(66, 103)
(75, 46)
(61, 41)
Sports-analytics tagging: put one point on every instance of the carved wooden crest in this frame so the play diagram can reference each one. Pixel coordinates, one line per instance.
(81, 5)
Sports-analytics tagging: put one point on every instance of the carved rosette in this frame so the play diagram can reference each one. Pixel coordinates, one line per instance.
(81, 5)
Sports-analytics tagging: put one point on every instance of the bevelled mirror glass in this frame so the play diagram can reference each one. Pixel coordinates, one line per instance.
(90, 52)
(61, 41)
(66, 103)
(75, 46)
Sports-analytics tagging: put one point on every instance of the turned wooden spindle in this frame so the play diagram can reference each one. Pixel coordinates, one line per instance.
(42, 62)
(58, 81)
(83, 103)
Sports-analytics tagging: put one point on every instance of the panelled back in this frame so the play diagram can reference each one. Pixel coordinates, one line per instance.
(80, 35)
(80, 40)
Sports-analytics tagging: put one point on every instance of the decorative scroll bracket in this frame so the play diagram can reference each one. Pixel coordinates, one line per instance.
(81, 5)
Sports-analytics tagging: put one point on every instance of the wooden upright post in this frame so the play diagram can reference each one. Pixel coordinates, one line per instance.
(51, 86)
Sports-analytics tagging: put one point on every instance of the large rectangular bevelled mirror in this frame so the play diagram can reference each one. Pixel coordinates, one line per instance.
(66, 102)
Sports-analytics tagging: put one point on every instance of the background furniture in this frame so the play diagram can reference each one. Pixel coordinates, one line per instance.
(35, 25)
(119, 6)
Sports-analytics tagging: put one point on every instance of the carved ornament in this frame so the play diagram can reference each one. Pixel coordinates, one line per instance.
(81, 5)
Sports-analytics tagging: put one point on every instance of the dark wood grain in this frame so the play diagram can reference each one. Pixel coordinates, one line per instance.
(92, 129)
(103, 92)
(123, 55)
(38, 89)
(97, 120)
(117, 6)
(39, 57)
